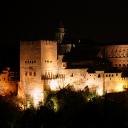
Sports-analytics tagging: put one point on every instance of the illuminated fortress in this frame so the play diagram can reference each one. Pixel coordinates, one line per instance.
(42, 69)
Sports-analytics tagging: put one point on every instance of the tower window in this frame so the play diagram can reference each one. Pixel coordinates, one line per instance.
(34, 73)
(26, 73)
(123, 65)
(72, 75)
(98, 75)
(30, 73)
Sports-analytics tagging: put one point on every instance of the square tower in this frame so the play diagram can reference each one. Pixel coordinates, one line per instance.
(38, 65)
(30, 68)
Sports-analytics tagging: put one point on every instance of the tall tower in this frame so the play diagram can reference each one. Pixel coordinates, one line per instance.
(38, 65)
(30, 71)
(60, 33)
(63, 46)
(48, 58)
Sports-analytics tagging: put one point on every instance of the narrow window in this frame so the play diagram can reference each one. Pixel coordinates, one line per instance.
(26, 73)
(98, 75)
(30, 73)
(34, 73)
(72, 75)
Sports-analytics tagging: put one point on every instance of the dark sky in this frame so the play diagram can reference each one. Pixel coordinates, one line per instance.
(94, 19)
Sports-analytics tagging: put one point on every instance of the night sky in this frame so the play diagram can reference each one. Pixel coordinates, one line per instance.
(94, 19)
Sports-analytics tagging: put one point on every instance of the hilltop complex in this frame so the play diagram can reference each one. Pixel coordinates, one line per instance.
(49, 65)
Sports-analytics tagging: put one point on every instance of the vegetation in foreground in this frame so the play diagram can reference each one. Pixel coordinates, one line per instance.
(67, 109)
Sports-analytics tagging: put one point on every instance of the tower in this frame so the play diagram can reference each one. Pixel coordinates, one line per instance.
(64, 46)
(30, 71)
(38, 64)
(60, 33)
(49, 68)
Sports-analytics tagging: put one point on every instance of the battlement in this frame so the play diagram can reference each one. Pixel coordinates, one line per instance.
(48, 42)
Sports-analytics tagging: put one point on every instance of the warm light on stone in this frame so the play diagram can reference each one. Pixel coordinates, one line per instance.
(54, 85)
(99, 91)
(37, 96)
(119, 87)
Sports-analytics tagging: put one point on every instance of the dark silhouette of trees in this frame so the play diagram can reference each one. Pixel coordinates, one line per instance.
(66, 109)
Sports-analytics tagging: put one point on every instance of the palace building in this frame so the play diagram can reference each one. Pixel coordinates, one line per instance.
(43, 69)
(50, 65)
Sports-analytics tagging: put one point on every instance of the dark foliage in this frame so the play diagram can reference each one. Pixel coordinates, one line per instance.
(74, 111)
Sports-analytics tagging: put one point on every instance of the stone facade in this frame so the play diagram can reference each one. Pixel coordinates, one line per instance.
(8, 83)
(42, 69)
(118, 55)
